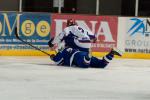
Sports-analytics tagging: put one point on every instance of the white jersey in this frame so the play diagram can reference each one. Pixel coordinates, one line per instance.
(82, 36)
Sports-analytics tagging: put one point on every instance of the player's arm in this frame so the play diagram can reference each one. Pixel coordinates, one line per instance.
(92, 36)
(56, 40)
(59, 38)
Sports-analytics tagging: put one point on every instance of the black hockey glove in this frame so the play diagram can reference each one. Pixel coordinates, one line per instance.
(50, 42)
(52, 56)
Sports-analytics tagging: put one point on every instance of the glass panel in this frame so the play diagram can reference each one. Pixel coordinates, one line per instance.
(128, 8)
(144, 7)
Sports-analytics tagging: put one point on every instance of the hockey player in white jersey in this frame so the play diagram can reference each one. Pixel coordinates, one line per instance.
(75, 37)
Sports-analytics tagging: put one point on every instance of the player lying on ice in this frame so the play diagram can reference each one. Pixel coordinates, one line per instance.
(73, 57)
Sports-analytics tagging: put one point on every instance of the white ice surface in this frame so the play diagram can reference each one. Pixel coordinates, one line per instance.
(36, 78)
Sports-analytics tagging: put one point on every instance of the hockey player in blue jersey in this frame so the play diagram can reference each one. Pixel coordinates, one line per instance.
(75, 37)
(73, 57)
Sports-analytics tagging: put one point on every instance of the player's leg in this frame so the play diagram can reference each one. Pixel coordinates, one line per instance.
(82, 60)
(102, 63)
(98, 63)
(111, 54)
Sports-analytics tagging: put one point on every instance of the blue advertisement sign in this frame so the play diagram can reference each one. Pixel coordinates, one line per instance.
(7, 27)
(31, 27)
(35, 27)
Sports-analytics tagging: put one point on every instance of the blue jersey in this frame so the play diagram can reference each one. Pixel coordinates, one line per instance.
(74, 57)
(65, 57)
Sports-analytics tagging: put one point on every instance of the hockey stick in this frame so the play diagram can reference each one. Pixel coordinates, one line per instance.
(31, 45)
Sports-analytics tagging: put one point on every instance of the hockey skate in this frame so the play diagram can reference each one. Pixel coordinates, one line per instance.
(117, 52)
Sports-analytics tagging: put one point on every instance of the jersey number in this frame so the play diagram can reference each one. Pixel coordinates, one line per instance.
(80, 29)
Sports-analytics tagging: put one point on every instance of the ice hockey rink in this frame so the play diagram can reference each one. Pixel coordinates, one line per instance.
(37, 78)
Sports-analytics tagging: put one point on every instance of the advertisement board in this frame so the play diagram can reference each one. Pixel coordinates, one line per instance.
(7, 29)
(137, 37)
(33, 28)
(105, 28)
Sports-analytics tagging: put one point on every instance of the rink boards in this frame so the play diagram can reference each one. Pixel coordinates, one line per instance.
(129, 34)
